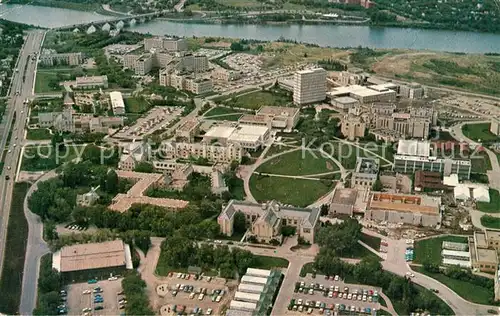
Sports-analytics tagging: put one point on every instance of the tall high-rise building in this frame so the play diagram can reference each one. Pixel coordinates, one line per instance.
(309, 86)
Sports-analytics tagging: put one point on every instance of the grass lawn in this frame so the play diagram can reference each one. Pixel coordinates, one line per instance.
(490, 221)
(266, 262)
(371, 241)
(298, 163)
(229, 117)
(17, 235)
(220, 110)
(382, 302)
(256, 100)
(297, 192)
(42, 81)
(136, 105)
(467, 290)
(479, 132)
(307, 268)
(493, 206)
(430, 249)
(240, 3)
(480, 162)
(38, 134)
(39, 158)
(276, 149)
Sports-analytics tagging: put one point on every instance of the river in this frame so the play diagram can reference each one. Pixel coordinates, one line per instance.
(323, 35)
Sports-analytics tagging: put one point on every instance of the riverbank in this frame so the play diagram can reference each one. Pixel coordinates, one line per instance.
(87, 7)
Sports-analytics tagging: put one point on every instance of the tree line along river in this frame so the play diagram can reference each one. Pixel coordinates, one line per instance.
(322, 34)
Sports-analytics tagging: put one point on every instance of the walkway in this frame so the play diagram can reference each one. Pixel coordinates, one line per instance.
(35, 249)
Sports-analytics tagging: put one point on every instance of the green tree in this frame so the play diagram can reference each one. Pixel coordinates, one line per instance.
(145, 167)
(239, 223)
(288, 230)
(112, 182)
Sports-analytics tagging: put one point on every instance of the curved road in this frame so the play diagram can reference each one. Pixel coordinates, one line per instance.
(36, 248)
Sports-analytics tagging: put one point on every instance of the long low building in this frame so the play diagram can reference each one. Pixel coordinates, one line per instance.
(253, 280)
(247, 297)
(93, 256)
(242, 306)
(404, 208)
(250, 288)
(261, 273)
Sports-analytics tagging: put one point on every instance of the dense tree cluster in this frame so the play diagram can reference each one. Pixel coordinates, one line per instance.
(134, 289)
(182, 252)
(337, 240)
(332, 65)
(49, 285)
(318, 131)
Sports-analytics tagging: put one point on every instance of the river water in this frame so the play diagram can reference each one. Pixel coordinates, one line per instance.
(323, 35)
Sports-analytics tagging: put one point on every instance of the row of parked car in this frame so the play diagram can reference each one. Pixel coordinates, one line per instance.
(62, 309)
(309, 306)
(187, 276)
(181, 310)
(75, 227)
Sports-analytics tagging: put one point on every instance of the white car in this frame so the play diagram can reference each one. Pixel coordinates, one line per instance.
(208, 312)
(113, 278)
(337, 278)
(87, 292)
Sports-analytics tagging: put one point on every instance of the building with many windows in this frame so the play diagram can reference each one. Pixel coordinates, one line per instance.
(275, 117)
(495, 126)
(267, 219)
(52, 59)
(170, 44)
(309, 86)
(117, 104)
(91, 82)
(416, 155)
(213, 153)
(366, 173)
(249, 137)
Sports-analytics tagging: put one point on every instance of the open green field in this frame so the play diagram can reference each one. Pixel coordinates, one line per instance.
(43, 81)
(490, 221)
(429, 250)
(240, 3)
(468, 291)
(220, 110)
(38, 134)
(17, 235)
(493, 206)
(136, 105)
(479, 132)
(297, 192)
(266, 262)
(298, 163)
(258, 99)
(40, 158)
(480, 162)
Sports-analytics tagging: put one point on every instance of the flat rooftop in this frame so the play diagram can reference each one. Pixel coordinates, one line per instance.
(345, 196)
(414, 148)
(486, 255)
(253, 118)
(480, 239)
(91, 79)
(345, 100)
(122, 202)
(220, 131)
(404, 203)
(92, 256)
(310, 71)
(492, 234)
(248, 133)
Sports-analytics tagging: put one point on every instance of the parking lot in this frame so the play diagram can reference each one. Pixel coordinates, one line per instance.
(186, 295)
(328, 296)
(78, 301)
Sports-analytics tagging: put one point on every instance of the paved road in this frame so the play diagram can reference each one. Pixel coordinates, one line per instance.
(22, 82)
(35, 249)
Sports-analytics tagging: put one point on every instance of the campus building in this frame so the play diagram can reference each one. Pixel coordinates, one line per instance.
(495, 126)
(309, 86)
(484, 248)
(249, 137)
(188, 130)
(52, 59)
(412, 91)
(133, 154)
(89, 259)
(91, 82)
(69, 121)
(353, 126)
(275, 117)
(117, 104)
(225, 75)
(267, 219)
(375, 93)
(213, 153)
(416, 155)
(417, 123)
(404, 208)
(343, 202)
(185, 82)
(366, 173)
(170, 44)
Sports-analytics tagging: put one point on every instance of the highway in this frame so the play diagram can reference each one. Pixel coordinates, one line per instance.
(21, 89)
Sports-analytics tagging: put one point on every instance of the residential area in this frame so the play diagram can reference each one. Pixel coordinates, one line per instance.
(167, 176)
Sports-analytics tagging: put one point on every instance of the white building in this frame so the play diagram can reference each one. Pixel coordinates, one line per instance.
(250, 288)
(461, 193)
(249, 137)
(481, 194)
(117, 104)
(242, 306)
(309, 86)
(261, 273)
(253, 280)
(246, 297)
(91, 82)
